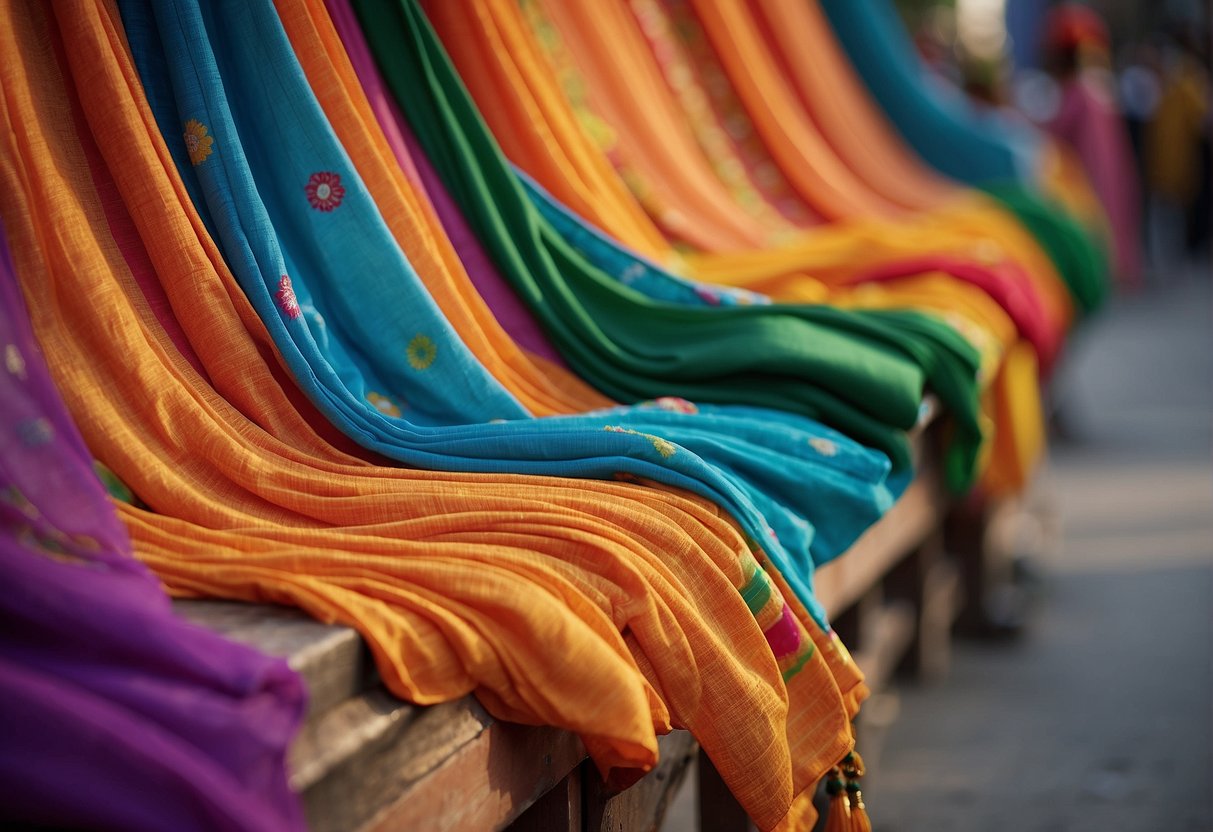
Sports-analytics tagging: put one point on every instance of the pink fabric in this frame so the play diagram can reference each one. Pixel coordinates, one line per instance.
(1089, 122)
(1005, 282)
(784, 635)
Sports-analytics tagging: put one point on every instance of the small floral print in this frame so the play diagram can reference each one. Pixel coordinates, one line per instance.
(36, 432)
(286, 298)
(663, 446)
(383, 404)
(631, 274)
(421, 352)
(197, 142)
(674, 404)
(13, 361)
(823, 446)
(324, 190)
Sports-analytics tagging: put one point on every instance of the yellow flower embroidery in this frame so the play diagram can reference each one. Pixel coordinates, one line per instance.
(197, 142)
(383, 404)
(823, 446)
(421, 352)
(663, 446)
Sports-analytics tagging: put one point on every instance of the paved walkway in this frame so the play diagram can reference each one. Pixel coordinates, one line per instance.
(1101, 716)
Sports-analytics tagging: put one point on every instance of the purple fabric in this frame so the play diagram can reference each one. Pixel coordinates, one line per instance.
(114, 713)
(509, 311)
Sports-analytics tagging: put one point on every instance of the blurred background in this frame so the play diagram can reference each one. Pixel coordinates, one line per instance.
(1145, 64)
(1093, 709)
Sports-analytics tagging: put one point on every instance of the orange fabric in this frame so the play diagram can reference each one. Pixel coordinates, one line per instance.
(827, 184)
(830, 92)
(509, 587)
(487, 47)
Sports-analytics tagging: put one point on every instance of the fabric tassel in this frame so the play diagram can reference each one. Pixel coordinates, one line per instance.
(839, 818)
(852, 769)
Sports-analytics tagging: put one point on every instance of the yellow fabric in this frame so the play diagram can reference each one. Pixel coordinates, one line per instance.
(509, 587)
(1173, 135)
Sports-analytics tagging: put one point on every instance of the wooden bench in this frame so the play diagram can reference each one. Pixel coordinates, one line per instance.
(367, 761)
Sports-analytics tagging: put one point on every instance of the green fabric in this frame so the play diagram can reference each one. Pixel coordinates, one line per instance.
(1077, 253)
(861, 372)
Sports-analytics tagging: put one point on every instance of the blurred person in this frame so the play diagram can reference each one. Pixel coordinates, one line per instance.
(1177, 149)
(1088, 118)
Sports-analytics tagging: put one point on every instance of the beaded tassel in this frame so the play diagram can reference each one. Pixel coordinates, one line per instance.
(852, 770)
(839, 818)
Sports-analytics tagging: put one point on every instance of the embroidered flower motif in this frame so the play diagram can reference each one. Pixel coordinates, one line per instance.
(383, 404)
(14, 362)
(36, 432)
(824, 446)
(197, 142)
(663, 446)
(421, 352)
(286, 298)
(324, 191)
(631, 274)
(675, 404)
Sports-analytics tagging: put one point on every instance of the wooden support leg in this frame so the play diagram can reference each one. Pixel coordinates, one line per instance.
(993, 607)
(641, 807)
(718, 810)
(928, 580)
(559, 810)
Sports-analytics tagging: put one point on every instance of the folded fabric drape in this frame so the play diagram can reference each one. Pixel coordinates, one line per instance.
(481, 38)
(117, 714)
(612, 610)
(784, 343)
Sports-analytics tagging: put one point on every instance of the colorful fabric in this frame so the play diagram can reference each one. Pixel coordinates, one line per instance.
(116, 714)
(506, 586)
(862, 374)
(991, 150)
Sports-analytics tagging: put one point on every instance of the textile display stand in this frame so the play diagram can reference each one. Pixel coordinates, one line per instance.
(367, 761)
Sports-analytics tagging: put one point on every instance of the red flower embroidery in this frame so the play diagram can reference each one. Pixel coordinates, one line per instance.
(324, 191)
(286, 298)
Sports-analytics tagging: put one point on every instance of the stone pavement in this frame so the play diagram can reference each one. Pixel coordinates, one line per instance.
(1100, 717)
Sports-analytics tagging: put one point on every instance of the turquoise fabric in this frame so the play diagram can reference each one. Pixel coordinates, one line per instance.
(348, 325)
(942, 126)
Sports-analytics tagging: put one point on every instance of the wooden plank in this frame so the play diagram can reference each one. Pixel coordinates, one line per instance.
(557, 811)
(333, 661)
(483, 783)
(642, 807)
(842, 582)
